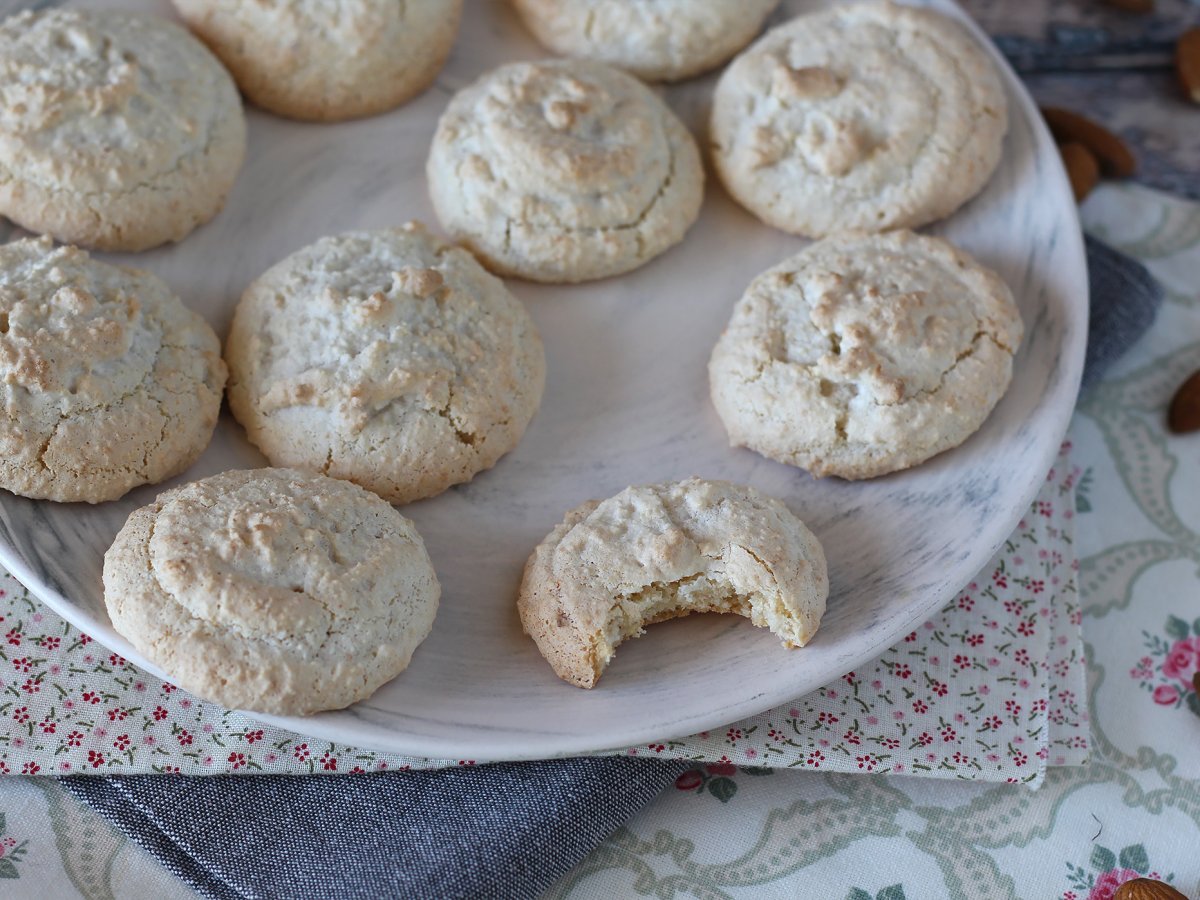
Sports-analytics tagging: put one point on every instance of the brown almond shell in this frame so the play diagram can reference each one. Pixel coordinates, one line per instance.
(1115, 158)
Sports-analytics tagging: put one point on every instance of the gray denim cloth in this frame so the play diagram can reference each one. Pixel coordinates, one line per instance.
(500, 831)
(494, 832)
(1125, 300)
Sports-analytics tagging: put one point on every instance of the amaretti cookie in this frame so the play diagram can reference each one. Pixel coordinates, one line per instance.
(117, 131)
(563, 171)
(863, 116)
(108, 380)
(864, 354)
(389, 358)
(662, 41)
(311, 59)
(272, 590)
(666, 550)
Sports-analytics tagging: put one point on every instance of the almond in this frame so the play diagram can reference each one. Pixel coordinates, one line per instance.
(1147, 889)
(1184, 413)
(1187, 63)
(1082, 168)
(1114, 157)
(1140, 6)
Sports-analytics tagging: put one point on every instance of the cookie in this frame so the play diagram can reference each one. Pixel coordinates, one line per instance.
(272, 590)
(666, 550)
(865, 354)
(563, 171)
(108, 380)
(866, 116)
(389, 358)
(321, 61)
(663, 41)
(117, 131)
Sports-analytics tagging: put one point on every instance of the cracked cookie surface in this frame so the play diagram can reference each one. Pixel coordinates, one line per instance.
(108, 380)
(389, 358)
(563, 171)
(664, 40)
(661, 551)
(117, 131)
(865, 354)
(272, 590)
(325, 61)
(864, 116)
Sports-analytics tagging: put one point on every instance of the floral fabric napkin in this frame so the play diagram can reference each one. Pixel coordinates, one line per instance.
(990, 688)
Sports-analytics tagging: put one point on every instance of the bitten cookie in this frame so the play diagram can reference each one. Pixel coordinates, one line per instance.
(563, 171)
(665, 550)
(864, 354)
(108, 380)
(389, 358)
(866, 116)
(117, 131)
(311, 59)
(272, 590)
(662, 41)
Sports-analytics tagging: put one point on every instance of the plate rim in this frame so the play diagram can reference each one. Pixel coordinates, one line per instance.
(324, 727)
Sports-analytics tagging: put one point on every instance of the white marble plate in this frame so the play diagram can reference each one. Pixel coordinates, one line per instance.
(626, 402)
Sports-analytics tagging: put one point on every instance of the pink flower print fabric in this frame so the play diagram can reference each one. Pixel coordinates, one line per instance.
(990, 688)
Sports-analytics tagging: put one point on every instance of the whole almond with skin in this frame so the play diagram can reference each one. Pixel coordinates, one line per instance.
(1187, 63)
(1115, 158)
(1082, 168)
(1184, 413)
(1147, 889)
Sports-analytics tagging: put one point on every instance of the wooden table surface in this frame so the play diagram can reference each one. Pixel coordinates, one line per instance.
(1111, 65)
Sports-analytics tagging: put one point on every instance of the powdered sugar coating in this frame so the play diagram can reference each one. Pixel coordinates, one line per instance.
(864, 354)
(863, 116)
(117, 131)
(389, 358)
(563, 171)
(323, 60)
(108, 380)
(660, 551)
(662, 40)
(272, 590)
